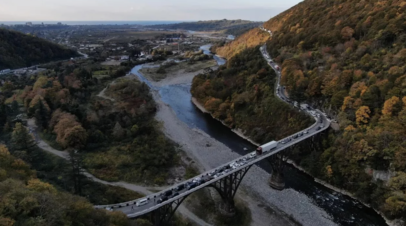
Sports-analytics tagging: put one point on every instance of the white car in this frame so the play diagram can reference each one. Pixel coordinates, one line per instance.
(142, 202)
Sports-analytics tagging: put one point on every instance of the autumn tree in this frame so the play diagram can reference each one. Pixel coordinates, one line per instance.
(391, 106)
(70, 134)
(362, 115)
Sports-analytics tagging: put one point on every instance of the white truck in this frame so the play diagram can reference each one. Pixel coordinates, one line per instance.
(269, 146)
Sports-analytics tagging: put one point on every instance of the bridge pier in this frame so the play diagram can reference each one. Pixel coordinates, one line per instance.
(162, 216)
(277, 180)
(227, 188)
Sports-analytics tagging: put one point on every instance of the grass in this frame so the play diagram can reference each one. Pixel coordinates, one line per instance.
(205, 208)
(57, 171)
(191, 171)
(50, 139)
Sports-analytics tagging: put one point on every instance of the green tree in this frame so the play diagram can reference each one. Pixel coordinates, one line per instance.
(20, 138)
(41, 115)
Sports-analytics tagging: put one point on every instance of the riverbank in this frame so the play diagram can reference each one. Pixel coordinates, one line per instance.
(236, 131)
(344, 192)
(207, 152)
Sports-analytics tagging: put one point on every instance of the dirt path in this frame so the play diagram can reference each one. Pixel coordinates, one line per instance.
(102, 93)
(133, 187)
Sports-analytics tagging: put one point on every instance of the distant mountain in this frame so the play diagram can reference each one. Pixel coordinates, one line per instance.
(233, 27)
(19, 50)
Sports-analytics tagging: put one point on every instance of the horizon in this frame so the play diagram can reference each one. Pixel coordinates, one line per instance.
(106, 22)
(127, 10)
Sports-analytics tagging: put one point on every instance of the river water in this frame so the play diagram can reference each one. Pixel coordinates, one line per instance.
(343, 209)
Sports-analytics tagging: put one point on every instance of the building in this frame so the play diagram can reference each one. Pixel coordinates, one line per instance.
(124, 58)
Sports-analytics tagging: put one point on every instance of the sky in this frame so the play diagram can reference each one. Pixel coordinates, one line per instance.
(136, 10)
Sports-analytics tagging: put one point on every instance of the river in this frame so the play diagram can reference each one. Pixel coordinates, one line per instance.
(343, 209)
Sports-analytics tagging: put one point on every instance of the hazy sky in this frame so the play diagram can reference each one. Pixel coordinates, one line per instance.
(79, 10)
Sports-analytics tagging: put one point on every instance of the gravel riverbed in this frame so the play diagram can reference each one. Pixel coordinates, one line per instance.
(268, 206)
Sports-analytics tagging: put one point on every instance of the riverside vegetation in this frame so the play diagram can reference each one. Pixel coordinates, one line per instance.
(346, 57)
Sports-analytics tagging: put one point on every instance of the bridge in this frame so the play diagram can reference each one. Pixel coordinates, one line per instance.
(226, 178)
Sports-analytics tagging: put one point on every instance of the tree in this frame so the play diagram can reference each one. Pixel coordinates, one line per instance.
(391, 106)
(74, 137)
(347, 32)
(21, 139)
(41, 115)
(362, 115)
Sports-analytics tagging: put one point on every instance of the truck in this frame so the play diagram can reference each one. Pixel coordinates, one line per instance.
(259, 150)
(268, 146)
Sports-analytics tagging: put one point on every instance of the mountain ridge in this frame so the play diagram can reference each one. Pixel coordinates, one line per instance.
(18, 50)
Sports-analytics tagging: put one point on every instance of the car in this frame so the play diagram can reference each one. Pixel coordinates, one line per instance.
(180, 187)
(162, 199)
(109, 209)
(295, 136)
(142, 202)
(283, 142)
(306, 132)
(197, 179)
(191, 185)
(167, 193)
(173, 195)
(318, 128)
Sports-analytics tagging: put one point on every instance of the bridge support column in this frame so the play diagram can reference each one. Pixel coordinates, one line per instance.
(227, 188)
(277, 180)
(163, 215)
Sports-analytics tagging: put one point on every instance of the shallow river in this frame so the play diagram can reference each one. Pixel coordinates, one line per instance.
(343, 209)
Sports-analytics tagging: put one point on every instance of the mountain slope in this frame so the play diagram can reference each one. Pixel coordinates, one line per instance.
(249, 39)
(348, 58)
(19, 50)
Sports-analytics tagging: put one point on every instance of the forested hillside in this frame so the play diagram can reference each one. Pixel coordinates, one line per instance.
(348, 58)
(249, 39)
(241, 94)
(18, 50)
(25, 200)
(233, 27)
